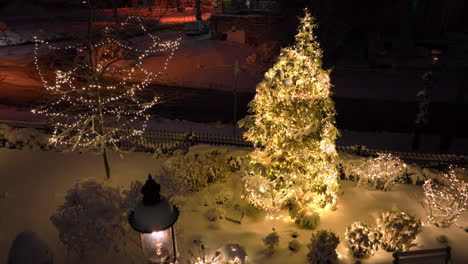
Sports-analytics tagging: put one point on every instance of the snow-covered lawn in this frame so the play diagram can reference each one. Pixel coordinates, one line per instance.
(33, 183)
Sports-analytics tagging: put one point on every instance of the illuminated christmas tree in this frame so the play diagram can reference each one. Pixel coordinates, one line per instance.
(292, 125)
(96, 95)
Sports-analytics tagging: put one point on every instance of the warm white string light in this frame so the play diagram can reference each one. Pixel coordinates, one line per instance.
(96, 91)
(446, 198)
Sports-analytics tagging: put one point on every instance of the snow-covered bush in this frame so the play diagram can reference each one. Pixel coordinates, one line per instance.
(23, 137)
(271, 242)
(231, 253)
(214, 214)
(28, 248)
(399, 230)
(90, 217)
(195, 170)
(380, 173)
(322, 247)
(307, 218)
(131, 196)
(446, 198)
(294, 245)
(415, 174)
(362, 240)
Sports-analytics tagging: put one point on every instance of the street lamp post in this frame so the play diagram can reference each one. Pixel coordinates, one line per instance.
(154, 218)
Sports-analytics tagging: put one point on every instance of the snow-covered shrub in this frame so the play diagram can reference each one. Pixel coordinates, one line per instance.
(231, 254)
(90, 217)
(23, 137)
(348, 165)
(415, 174)
(271, 242)
(307, 218)
(322, 247)
(28, 248)
(446, 198)
(167, 149)
(214, 214)
(399, 230)
(131, 196)
(362, 240)
(380, 173)
(294, 245)
(195, 170)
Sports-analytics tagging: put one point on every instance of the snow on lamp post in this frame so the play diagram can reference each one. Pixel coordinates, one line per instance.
(154, 218)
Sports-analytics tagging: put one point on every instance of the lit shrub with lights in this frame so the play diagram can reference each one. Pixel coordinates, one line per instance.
(446, 198)
(362, 240)
(322, 247)
(291, 122)
(380, 173)
(399, 230)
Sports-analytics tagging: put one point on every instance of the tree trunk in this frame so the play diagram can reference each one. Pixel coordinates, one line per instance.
(106, 162)
(198, 14)
(115, 11)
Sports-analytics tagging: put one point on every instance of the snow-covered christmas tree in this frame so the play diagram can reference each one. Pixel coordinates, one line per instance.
(292, 124)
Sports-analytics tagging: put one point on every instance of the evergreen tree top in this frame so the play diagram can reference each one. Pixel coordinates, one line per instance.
(306, 43)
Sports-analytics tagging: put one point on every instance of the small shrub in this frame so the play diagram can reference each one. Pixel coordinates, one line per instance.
(194, 171)
(322, 247)
(90, 217)
(445, 199)
(399, 230)
(271, 242)
(362, 240)
(294, 245)
(307, 218)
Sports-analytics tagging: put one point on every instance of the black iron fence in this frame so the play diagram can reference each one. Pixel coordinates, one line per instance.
(154, 139)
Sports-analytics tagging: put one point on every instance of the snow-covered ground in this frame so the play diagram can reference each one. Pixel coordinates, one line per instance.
(34, 183)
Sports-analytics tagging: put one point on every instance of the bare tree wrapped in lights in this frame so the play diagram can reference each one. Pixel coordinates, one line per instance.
(101, 99)
(446, 198)
(292, 125)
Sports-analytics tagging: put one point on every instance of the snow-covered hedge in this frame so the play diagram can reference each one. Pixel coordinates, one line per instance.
(446, 197)
(399, 230)
(19, 138)
(362, 240)
(196, 169)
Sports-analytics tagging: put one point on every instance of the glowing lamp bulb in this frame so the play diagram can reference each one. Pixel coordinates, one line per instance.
(158, 235)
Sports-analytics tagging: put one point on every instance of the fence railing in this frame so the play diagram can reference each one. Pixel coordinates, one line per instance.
(153, 139)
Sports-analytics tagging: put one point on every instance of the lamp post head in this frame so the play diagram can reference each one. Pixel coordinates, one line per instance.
(151, 191)
(153, 212)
